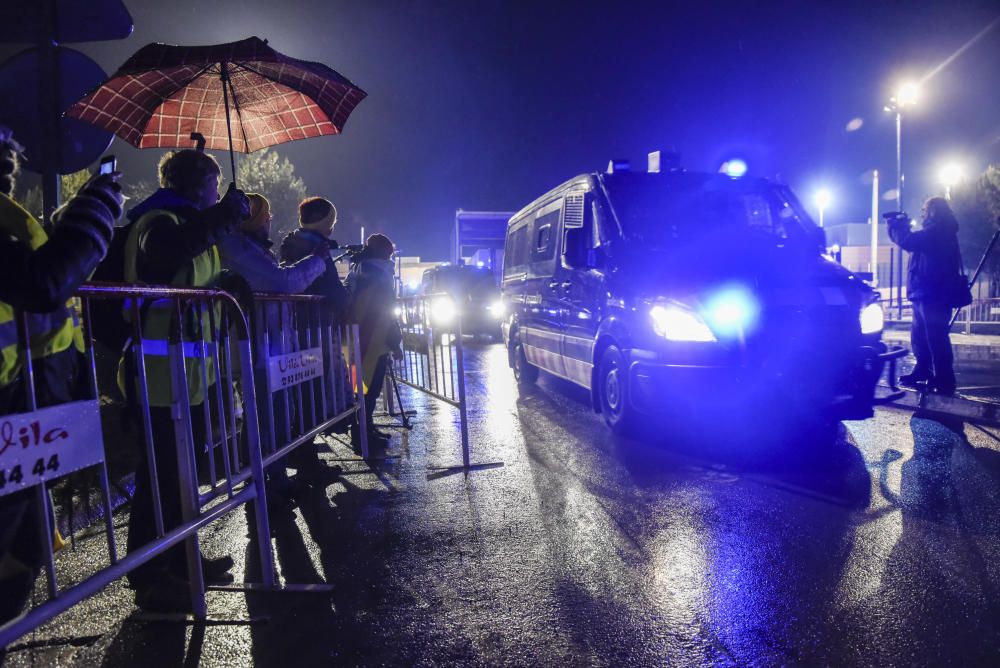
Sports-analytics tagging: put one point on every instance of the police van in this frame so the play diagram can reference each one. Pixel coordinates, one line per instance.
(696, 294)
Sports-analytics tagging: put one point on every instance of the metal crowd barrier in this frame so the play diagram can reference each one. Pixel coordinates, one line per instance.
(306, 368)
(433, 359)
(219, 472)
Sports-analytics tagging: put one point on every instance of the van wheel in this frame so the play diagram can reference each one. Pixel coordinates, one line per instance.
(612, 385)
(525, 373)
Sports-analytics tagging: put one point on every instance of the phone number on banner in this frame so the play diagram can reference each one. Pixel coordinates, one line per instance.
(49, 443)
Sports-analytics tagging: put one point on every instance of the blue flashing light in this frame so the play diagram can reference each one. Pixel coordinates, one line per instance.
(732, 311)
(734, 168)
(480, 264)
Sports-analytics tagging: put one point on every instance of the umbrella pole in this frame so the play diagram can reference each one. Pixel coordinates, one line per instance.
(229, 128)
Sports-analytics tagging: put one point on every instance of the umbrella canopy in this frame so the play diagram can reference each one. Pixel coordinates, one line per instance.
(241, 96)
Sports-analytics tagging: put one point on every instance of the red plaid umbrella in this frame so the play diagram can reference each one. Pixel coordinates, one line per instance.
(164, 93)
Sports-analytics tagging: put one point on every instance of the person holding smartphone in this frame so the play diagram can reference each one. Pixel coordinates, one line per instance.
(39, 272)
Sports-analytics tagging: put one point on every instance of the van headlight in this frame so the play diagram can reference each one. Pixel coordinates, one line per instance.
(679, 324)
(872, 320)
(443, 311)
(497, 309)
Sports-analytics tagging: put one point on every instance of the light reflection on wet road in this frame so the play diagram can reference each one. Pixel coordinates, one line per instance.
(586, 549)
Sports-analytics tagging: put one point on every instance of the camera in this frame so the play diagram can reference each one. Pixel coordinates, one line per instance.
(354, 252)
(897, 219)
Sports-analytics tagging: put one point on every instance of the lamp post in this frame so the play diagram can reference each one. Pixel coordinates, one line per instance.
(823, 199)
(873, 265)
(951, 174)
(906, 96)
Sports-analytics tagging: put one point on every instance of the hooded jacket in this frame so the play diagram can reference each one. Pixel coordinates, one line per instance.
(302, 242)
(935, 259)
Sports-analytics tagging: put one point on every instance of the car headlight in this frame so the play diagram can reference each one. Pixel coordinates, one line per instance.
(443, 311)
(872, 320)
(678, 324)
(497, 309)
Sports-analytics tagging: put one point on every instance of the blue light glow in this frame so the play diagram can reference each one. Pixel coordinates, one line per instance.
(732, 311)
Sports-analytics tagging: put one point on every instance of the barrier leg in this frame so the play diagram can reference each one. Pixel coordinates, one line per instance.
(252, 427)
(360, 391)
(187, 477)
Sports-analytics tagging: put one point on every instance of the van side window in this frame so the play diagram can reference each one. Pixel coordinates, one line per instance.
(543, 238)
(543, 249)
(516, 253)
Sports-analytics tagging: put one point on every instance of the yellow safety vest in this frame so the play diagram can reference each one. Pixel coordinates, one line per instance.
(49, 333)
(201, 272)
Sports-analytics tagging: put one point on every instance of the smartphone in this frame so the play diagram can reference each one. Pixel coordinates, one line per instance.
(108, 164)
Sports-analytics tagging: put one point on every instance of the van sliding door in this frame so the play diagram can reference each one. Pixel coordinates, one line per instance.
(541, 328)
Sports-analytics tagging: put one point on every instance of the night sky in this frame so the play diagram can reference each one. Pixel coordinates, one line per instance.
(486, 105)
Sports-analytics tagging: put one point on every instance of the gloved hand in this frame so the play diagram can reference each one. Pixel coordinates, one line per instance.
(235, 203)
(93, 210)
(228, 212)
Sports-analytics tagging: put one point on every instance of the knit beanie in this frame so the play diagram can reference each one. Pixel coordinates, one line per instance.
(260, 214)
(380, 246)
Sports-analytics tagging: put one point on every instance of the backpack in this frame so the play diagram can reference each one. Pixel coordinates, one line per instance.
(107, 322)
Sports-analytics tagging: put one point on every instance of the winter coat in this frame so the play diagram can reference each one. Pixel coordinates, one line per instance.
(373, 294)
(253, 260)
(41, 280)
(935, 259)
(302, 242)
(165, 246)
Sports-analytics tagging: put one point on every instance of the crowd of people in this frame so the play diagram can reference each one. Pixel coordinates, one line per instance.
(183, 235)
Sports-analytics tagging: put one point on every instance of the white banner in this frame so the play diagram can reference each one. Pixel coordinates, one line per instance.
(284, 371)
(48, 444)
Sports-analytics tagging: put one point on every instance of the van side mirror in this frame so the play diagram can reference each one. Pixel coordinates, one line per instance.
(576, 251)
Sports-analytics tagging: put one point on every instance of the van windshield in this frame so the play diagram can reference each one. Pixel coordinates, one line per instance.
(663, 211)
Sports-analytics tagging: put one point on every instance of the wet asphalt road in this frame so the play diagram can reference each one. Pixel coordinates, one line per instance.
(882, 548)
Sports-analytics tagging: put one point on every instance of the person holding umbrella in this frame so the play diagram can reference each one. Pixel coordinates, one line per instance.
(173, 241)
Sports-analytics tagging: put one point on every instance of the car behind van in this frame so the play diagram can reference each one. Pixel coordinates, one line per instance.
(692, 294)
(466, 289)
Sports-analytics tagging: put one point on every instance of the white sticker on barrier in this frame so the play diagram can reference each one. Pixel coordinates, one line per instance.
(284, 371)
(48, 444)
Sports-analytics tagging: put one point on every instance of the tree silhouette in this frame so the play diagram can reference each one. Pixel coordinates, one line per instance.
(273, 176)
(977, 206)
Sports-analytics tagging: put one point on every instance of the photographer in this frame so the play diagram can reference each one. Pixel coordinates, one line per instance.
(39, 272)
(372, 286)
(317, 218)
(934, 284)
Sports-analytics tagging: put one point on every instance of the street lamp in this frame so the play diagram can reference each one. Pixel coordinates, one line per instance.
(951, 174)
(823, 199)
(907, 95)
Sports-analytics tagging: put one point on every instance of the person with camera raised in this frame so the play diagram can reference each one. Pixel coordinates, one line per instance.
(39, 272)
(935, 284)
(317, 218)
(373, 296)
